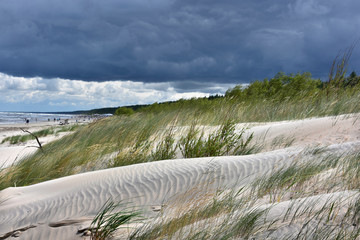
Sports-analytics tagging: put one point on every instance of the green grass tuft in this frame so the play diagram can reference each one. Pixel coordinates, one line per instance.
(225, 141)
(109, 219)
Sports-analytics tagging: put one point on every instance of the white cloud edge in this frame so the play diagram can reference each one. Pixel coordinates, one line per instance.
(80, 94)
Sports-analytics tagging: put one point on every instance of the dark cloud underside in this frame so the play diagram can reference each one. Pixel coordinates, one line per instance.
(174, 40)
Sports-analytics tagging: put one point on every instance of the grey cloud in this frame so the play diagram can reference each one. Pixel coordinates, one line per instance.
(173, 40)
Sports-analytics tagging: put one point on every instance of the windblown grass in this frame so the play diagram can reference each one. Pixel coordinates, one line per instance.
(292, 178)
(87, 148)
(243, 215)
(167, 147)
(138, 138)
(192, 224)
(109, 219)
(42, 133)
(224, 141)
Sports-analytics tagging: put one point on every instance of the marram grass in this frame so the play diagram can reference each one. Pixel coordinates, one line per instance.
(42, 133)
(84, 150)
(132, 140)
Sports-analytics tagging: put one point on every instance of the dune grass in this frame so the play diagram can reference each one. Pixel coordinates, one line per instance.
(293, 178)
(191, 224)
(42, 133)
(133, 135)
(109, 219)
(243, 215)
(243, 220)
(167, 147)
(224, 141)
(152, 135)
(133, 138)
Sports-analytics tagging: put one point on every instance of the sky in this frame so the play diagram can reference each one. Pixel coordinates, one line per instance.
(64, 55)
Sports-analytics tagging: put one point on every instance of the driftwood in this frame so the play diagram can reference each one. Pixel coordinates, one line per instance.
(37, 139)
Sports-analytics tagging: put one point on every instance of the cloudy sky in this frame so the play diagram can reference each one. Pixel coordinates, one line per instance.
(60, 55)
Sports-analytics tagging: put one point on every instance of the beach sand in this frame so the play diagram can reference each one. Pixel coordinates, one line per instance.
(9, 153)
(56, 209)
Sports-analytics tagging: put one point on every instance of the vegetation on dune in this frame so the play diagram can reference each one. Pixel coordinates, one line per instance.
(109, 219)
(224, 141)
(166, 148)
(124, 111)
(132, 138)
(42, 133)
(279, 88)
(295, 177)
(283, 97)
(181, 226)
(242, 214)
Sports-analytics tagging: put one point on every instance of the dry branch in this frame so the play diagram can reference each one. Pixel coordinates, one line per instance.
(37, 139)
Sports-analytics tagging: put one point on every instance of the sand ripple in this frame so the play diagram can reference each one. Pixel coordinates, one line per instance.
(142, 185)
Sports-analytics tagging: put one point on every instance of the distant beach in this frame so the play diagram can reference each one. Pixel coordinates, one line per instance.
(21, 117)
(12, 123)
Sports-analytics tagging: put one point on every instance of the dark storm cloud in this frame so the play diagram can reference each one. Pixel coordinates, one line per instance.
(174, 40)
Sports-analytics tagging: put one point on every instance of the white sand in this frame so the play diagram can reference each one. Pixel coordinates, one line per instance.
(70, 202)
(309, 132)
(9, 154)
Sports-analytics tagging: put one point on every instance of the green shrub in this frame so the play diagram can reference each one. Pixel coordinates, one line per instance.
(124, 111)
(278, 88)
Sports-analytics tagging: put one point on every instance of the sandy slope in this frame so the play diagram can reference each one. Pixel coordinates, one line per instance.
(57, 208)
(308, 132)
(149, 184)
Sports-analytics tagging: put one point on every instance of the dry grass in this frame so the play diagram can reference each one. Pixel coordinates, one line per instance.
(243, 214)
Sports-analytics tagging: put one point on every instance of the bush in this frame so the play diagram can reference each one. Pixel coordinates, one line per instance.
(278, 88)
(124, 111)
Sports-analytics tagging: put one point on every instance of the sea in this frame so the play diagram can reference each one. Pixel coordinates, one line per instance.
(21, 117)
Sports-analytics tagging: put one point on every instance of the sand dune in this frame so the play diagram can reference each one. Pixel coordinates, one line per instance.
(79, 197)
(287, 218)
(56, 209)
(144, 185)
(308, 132)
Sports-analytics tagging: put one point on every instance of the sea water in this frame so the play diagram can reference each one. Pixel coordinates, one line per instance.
(21, 117)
